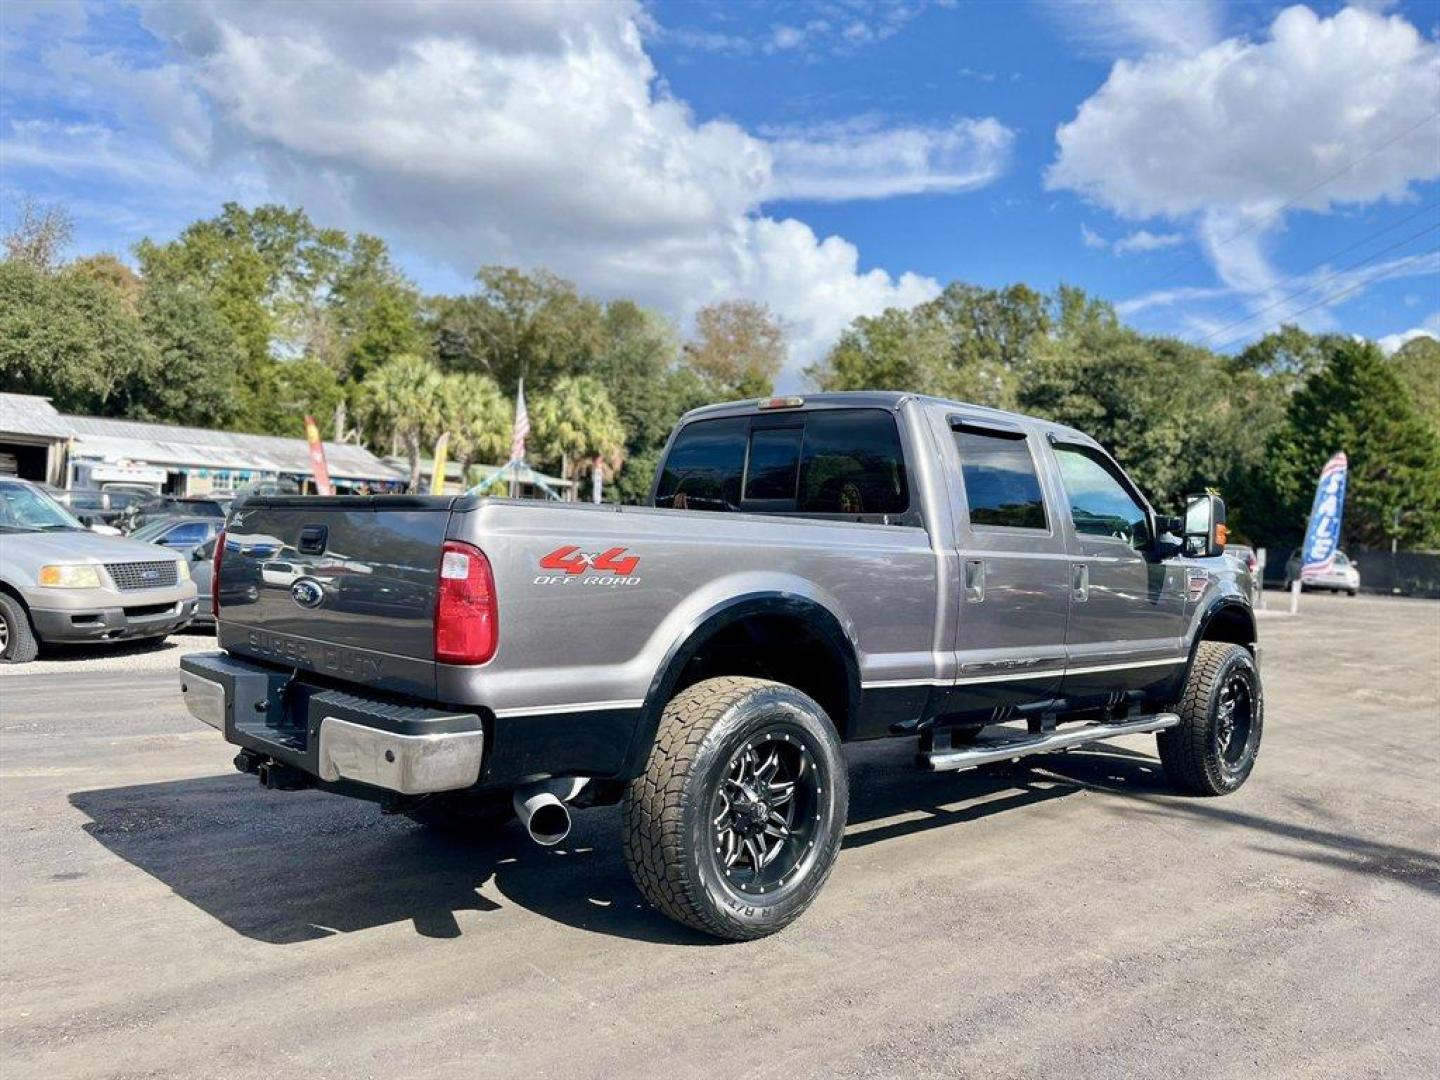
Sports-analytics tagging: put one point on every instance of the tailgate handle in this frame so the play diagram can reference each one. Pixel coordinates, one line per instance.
(312, 539)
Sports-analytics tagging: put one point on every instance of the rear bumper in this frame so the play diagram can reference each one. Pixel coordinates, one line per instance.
(111, 623)
(335, 737)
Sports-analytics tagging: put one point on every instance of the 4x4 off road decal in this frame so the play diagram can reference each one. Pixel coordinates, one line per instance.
(612, 567)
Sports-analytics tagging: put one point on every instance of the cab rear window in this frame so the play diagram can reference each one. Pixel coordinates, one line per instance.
(842, 462)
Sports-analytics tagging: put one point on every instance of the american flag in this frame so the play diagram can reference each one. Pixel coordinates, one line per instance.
(522, 426)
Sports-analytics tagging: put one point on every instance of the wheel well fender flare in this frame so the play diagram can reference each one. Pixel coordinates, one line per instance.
(1238, 621)
(819, 619)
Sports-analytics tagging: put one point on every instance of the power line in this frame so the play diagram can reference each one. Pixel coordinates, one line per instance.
(1316, 284)
(1296, 275)
(1384, 272)
(1293, 200)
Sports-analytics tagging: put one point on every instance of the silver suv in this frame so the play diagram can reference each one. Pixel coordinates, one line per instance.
(60, 582)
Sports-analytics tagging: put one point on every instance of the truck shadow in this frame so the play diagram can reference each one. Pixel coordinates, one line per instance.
(290, 867)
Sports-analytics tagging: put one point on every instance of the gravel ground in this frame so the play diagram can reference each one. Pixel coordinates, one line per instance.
(161, 916)
(90, 659)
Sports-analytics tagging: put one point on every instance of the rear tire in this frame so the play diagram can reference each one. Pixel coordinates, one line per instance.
(737, 820)
(1222, 714)
(18, 644)
(463, 815)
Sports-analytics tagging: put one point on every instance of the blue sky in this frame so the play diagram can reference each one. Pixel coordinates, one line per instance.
(1212, 168)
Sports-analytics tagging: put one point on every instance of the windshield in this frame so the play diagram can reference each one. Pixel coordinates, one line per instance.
(26, 509)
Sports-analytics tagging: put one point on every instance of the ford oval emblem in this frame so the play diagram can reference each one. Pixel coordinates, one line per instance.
(307, 592)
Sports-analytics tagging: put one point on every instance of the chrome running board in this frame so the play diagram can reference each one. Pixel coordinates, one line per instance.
(1009, 745)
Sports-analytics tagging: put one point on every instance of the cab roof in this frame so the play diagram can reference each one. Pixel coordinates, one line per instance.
(890, 400)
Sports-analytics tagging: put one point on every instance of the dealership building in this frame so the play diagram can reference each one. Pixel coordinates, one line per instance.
(37, 442)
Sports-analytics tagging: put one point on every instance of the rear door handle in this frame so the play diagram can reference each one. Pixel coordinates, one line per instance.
(974, 581)
(1080, 581)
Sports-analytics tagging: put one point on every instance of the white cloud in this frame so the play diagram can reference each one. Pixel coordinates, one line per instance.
(1298, 298)
(1123, 27)
(865, 161)
(1145, 240)
(1322, 112)
(1246, 126)
(839, 27)
(1142, 240)
(530, 133)
(1391, 343)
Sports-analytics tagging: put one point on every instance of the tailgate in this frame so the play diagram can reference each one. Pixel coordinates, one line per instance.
(342, 586)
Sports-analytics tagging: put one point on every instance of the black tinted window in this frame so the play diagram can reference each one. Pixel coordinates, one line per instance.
(853, 464)
(702, 471)
(1100, 505)
(1001, 487)
(774, 463)
(192, 532)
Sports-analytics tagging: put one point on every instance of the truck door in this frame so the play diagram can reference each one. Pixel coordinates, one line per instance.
(1127, 606)
(1014, 573)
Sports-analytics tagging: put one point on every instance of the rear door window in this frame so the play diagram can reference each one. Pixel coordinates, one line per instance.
(704, 467)
(853, 464)
(831, 461)
(1002, 488)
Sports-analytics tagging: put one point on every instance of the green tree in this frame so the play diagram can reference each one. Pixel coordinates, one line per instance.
(110, 271)
(402, 400)
(307, 388)
(1417, 363)
(478, 418)
(738, 348)
(374, 308)
(575, 422)
(290, 290)
(39, 236)
(534, 326)
(1357, 403)
(899, 349)
(968, 344)
(67, 337)
(188, 374)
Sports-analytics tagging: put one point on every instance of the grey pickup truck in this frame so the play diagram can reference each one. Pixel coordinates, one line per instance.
(807, 572)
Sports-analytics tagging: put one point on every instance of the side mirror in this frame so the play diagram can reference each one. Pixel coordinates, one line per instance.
(1205, 531)
(197, 554)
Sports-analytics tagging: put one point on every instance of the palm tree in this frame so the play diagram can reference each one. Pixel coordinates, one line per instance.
(402, 397)
(575, 422)
(477, 416)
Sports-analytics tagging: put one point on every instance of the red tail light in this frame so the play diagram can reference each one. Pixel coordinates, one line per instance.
(215, 573)
(467, 624)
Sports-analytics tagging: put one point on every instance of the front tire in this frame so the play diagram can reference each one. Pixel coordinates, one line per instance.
(1222, 714)
(17, 638)
(737, 820)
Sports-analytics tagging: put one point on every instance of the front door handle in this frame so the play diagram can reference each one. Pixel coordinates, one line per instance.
(1080, 581)
(974, 581)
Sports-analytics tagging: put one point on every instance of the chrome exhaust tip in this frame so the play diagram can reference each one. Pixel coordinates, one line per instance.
(541, 808)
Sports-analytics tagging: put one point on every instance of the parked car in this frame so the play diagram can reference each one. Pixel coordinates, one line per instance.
(163, 507)
(202, 569)
(184, 534)
(1342, 575)
(851, 566)
(61, 583)
(97, 508)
